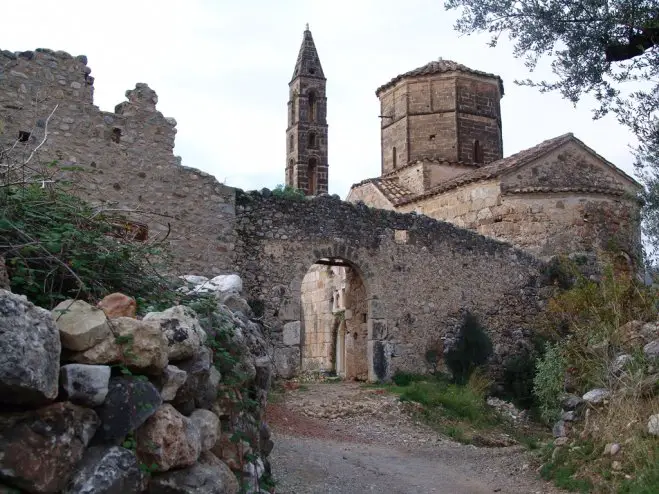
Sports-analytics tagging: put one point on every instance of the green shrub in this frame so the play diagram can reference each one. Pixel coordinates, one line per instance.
(288, 192)
(472, 349)
(518, 375)
(57, 247)
(548, 383)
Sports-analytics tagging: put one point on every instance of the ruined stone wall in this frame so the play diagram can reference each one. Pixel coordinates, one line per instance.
(418, 274)
(127, 156)
(356, 327)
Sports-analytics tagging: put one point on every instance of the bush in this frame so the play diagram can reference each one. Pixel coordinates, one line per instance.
(518, 375)
(472, 349)
(548, 383)
(288, 192)
(57, 247)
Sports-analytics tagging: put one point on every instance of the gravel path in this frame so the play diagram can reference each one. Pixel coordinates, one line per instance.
(342, 438)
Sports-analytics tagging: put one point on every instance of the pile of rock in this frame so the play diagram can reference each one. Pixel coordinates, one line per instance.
(93, 399)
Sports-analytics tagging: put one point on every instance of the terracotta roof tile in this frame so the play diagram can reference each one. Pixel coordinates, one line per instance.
(389, 187)
(438, 67)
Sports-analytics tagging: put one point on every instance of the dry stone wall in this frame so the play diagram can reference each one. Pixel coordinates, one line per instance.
(419, 275)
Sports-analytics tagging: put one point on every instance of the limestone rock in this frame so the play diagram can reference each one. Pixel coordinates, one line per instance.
(597, 395)
(559, 429)
(168, 440)
(208, 476)
(611, 449)
(197, 391)
(81, 326)
(561, 441)
(265, 443)
(85, 385)
(106, 470)
(653, 425)
(291, 333)
(286, 361)
(118, 305)
(572, 402)
(4, 276)
(129, 403)
(182, 329)
(141, 345)
(228, 283)
(29, 351)
(231, 453)
(194, 279)
(208, 425)
(235, 303)
(569, 416)
(651, 350)
(263, 369)
(620, 363)
(172, 379)
(39, 450)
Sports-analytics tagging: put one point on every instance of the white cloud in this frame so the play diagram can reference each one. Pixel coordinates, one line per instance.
(222, 68)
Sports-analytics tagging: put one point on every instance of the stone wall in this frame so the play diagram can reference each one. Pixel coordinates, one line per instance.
(369, 194)
(127, 156)
(418, 274)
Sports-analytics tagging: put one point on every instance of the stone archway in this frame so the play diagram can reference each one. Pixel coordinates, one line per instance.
(334, 320)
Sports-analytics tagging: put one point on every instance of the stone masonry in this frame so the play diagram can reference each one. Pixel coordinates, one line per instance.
(126, 156)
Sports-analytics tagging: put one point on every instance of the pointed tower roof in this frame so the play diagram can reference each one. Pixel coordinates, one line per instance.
(308, 63)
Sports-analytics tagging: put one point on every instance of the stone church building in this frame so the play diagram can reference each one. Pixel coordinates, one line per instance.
(442, 156)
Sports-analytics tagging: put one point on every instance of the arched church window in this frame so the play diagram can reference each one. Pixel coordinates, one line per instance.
(478, 152)
(311, 98)
(311, 176)
(293, 109)
(311, 140)
(291, 143)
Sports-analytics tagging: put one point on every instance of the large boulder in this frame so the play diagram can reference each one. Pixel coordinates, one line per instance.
(39, 450)
(168, 440)
(233, 453)
(208, 425)
(208, 476)
(29, 351)
(140, 345)
(81, 325)
(106, 470)
(227, 283)
(85, 385)
(182, 329)
(129, 403)
(118, 305)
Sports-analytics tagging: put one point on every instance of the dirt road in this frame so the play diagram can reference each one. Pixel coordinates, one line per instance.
(344, 439)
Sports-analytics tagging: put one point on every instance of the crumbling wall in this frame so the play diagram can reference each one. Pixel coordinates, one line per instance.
(418, 275)
(126, 157)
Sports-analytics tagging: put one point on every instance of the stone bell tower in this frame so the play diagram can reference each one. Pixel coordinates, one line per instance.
(306, 134)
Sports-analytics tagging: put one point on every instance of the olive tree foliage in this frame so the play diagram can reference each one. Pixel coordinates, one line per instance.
(603, 48)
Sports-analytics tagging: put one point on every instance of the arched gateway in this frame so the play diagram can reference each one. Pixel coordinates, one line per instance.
(418, 274)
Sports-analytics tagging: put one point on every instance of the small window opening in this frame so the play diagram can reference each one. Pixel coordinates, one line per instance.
(478, 152)
(23, 136)
(394, 157)
(291, 165)
(311, 98)
(312, 70)
(312, 143)
(293, 110)
(432, 137)
(311, 177)
(291, 143)
(116, 135)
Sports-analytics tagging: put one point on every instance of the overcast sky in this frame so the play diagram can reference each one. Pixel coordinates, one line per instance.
(221, 68)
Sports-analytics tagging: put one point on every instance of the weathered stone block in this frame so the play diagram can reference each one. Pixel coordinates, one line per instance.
(291, 333)
(287, 361)
(377, 329)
